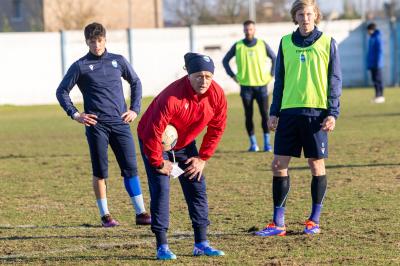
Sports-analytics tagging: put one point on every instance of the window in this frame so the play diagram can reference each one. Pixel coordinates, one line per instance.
(17, 10)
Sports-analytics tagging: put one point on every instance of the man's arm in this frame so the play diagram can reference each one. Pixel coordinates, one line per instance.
(160, 117)
(229, 55)
(279, 84)
(334, 81)
(136, 86)
(272, 56)
(65, 87)
(215, 129)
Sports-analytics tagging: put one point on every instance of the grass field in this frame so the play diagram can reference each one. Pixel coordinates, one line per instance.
(48, 213)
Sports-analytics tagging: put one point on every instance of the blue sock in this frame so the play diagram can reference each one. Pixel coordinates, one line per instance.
(103, 207)
(315, 213)
(279, 216)
(266, 139)
(202, 244)
(132, 186)
(253, 140)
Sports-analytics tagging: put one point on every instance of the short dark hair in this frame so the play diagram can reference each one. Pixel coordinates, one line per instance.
(248, 22)
(371, 26)
(94, 30)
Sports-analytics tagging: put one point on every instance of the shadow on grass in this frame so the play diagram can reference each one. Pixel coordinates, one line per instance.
(21, 156)
(348, 166)
(29, 226)
(377, 115)
(177, 235)
(82, 259)
(9, 238)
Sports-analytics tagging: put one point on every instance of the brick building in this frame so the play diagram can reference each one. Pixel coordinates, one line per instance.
(55, 15)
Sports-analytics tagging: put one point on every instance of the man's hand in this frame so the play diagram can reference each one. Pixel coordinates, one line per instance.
(273, 122)
(129, 116)
(86, 119)
(328, 124)
(195, 168)
(167, 168)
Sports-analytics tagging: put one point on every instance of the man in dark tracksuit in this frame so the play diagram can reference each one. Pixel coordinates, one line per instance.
(304, 109)
(106, 118)
(375, 62)
(190, 104)
(253, 75)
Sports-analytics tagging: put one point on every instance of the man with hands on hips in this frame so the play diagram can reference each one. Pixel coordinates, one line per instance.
(106, 117)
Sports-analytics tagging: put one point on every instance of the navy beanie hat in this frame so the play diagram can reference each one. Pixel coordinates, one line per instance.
(195, 62)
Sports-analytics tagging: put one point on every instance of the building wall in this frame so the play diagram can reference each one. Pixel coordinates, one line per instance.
(28, 18)
(41, 65)
(114, 14)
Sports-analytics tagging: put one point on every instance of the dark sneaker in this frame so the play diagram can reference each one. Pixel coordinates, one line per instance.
(253, 148)
(267, 148)
(143, 219)
(108, 221)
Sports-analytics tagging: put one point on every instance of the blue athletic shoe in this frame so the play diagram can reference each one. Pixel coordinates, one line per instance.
(163, 253)
(200, 250)
(311, 228)
(253, 148)
(267, 148)
(272, 230)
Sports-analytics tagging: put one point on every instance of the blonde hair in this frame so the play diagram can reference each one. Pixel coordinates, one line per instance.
(300, 4)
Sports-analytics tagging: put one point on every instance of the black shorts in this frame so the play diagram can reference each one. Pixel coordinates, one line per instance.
(119, 136)
(297, 132)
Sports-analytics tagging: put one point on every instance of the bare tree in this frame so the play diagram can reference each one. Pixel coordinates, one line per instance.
(70, 14)
(188, 12)
(232, 11)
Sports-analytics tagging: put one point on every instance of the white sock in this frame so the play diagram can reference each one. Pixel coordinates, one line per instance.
(103, 207)
(138, 204)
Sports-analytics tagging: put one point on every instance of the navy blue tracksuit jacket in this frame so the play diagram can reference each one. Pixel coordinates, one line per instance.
(99, 80)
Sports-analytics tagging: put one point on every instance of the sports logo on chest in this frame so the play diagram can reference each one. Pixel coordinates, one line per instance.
(302, 58)
(114, 63)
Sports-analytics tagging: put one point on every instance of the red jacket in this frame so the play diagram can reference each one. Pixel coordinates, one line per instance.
(189, 113)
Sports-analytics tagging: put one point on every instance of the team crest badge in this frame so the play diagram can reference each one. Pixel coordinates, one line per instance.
(302, 58)
(206, 58)
(114, 63)
(91, 67)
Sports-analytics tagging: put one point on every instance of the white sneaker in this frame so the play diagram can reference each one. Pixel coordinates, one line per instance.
(379, 99)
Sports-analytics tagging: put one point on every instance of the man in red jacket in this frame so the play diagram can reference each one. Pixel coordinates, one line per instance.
(189, 104)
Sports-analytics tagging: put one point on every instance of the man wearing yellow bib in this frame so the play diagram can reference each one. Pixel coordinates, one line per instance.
(253, 75)
(304, 109)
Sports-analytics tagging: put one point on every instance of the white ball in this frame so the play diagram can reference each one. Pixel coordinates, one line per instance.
(169, 138)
